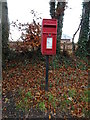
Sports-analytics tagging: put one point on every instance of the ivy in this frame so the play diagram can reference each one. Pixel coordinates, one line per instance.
(82, 50)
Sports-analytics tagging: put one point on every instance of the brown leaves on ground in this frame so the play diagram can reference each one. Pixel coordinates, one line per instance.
(68, 87)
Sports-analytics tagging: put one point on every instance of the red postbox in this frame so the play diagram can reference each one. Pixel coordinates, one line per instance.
(49, 36)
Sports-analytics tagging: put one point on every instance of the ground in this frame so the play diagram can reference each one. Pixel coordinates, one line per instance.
(24, 94)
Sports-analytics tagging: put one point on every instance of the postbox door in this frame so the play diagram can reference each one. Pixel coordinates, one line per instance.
(49, 44)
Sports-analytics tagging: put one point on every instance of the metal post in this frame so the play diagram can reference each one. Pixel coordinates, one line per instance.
(47, 66)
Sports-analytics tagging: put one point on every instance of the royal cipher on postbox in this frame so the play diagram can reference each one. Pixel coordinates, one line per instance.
(48, 36)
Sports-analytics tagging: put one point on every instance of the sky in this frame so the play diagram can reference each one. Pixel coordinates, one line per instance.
(20, 9)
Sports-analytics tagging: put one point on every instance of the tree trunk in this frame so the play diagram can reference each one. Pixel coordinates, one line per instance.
(52, 9)
(59, 15)
(5, 32)
(84, 32)
(73, 44)
(0, 46)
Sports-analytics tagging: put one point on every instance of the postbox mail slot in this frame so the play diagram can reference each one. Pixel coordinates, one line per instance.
(49, 29)
(50, 26)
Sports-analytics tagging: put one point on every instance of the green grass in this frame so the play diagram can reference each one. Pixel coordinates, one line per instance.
(28, 94)
(42, 106)
(72, 93)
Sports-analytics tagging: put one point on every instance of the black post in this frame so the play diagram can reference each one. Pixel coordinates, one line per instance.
(47, 66)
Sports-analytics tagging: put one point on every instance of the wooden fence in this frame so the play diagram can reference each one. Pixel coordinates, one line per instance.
(68, 47)
(19, 45)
